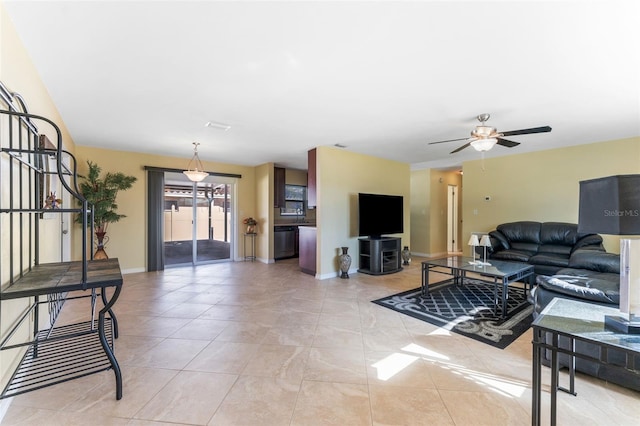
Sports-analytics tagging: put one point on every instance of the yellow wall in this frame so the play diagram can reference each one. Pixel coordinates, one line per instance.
(420, 212)
(541, 186)
(264, 177)
(127, 238)
(341, 175)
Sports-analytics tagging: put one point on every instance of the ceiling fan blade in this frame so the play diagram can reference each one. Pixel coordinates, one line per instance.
(448, 140)
(461, 148)
(507, 143)
(543, 129)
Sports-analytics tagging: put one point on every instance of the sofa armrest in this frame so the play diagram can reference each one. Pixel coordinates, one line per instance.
(594, 260)
(498, 241)
(591, 241)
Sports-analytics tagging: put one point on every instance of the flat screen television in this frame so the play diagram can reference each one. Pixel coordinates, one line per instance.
(380, 215)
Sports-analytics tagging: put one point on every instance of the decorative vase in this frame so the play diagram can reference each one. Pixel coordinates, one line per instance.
(102, 240)
(345, 262)
(406, 255)
(251, 229)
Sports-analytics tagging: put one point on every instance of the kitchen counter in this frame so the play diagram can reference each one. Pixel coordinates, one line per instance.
(294, 224)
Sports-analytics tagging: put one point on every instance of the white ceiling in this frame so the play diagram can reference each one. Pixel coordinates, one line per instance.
(382, 78)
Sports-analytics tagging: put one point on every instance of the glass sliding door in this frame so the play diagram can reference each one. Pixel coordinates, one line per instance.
(197, 220)
(213, 219)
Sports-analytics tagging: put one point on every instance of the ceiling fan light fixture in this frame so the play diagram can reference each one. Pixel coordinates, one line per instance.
(195, 170)
(483, 137)
(483, 145)
(483, 131)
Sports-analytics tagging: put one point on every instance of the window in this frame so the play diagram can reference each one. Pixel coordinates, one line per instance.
(294, 200)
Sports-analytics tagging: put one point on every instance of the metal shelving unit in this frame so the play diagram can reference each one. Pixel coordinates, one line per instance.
(58, 353)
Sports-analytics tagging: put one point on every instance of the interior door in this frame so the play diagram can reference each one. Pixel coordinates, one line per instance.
(452, 219)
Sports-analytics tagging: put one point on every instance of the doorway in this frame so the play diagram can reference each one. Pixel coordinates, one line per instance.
(198, 220)
(452, 219)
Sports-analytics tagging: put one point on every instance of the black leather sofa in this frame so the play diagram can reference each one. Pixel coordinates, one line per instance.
(546, 245)
(571, 266)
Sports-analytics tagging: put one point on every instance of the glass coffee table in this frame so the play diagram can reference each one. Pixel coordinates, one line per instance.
(499, 273)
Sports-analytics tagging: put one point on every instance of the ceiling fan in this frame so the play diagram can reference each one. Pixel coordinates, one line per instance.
(484, 137)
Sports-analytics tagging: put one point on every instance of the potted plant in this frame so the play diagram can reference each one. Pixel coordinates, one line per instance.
(251, 225)
(101, 194)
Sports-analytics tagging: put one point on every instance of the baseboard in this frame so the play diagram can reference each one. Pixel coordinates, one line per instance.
(4, 406)
(327, 276)
(335, 274)
(133, 270)
(428, 255)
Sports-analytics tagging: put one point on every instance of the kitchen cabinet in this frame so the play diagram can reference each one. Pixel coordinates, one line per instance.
(311, 179)
(279, 181)
(307, 243)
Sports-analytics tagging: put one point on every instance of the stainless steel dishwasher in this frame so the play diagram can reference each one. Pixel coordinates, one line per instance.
(284, 242)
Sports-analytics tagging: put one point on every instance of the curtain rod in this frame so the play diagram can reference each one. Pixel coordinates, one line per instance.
(166, 169)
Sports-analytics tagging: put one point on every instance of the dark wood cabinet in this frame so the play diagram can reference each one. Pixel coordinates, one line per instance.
(307, 246)
(311, 179)
(279, 181)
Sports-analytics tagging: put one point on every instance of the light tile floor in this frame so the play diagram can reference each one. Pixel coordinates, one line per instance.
(247, 343)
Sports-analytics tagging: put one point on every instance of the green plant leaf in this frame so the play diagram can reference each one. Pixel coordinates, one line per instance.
(101, 194)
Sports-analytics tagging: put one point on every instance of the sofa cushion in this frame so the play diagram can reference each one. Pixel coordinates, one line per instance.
(513, 255)
(553, 259)
(558, 233)
(584, 287)
(555, 249)
(531, 248)
(527, 232)
(546, 269)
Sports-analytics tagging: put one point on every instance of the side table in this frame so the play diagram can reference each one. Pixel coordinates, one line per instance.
(577, 321)
(251, 247)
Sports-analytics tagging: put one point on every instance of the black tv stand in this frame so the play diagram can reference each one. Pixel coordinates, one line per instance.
(380, 255)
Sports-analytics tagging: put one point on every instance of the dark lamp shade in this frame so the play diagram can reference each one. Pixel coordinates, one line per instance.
(610, 205)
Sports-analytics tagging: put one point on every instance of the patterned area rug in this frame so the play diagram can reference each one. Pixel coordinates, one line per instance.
(466, 310)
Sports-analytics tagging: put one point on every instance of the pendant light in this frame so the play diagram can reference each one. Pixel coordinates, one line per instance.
(195, 170)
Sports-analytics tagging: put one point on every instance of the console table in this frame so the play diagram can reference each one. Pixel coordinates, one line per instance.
(577, 321)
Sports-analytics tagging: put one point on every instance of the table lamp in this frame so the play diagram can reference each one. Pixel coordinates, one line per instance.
(473, 242)
(485, 242)
(611, 205)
